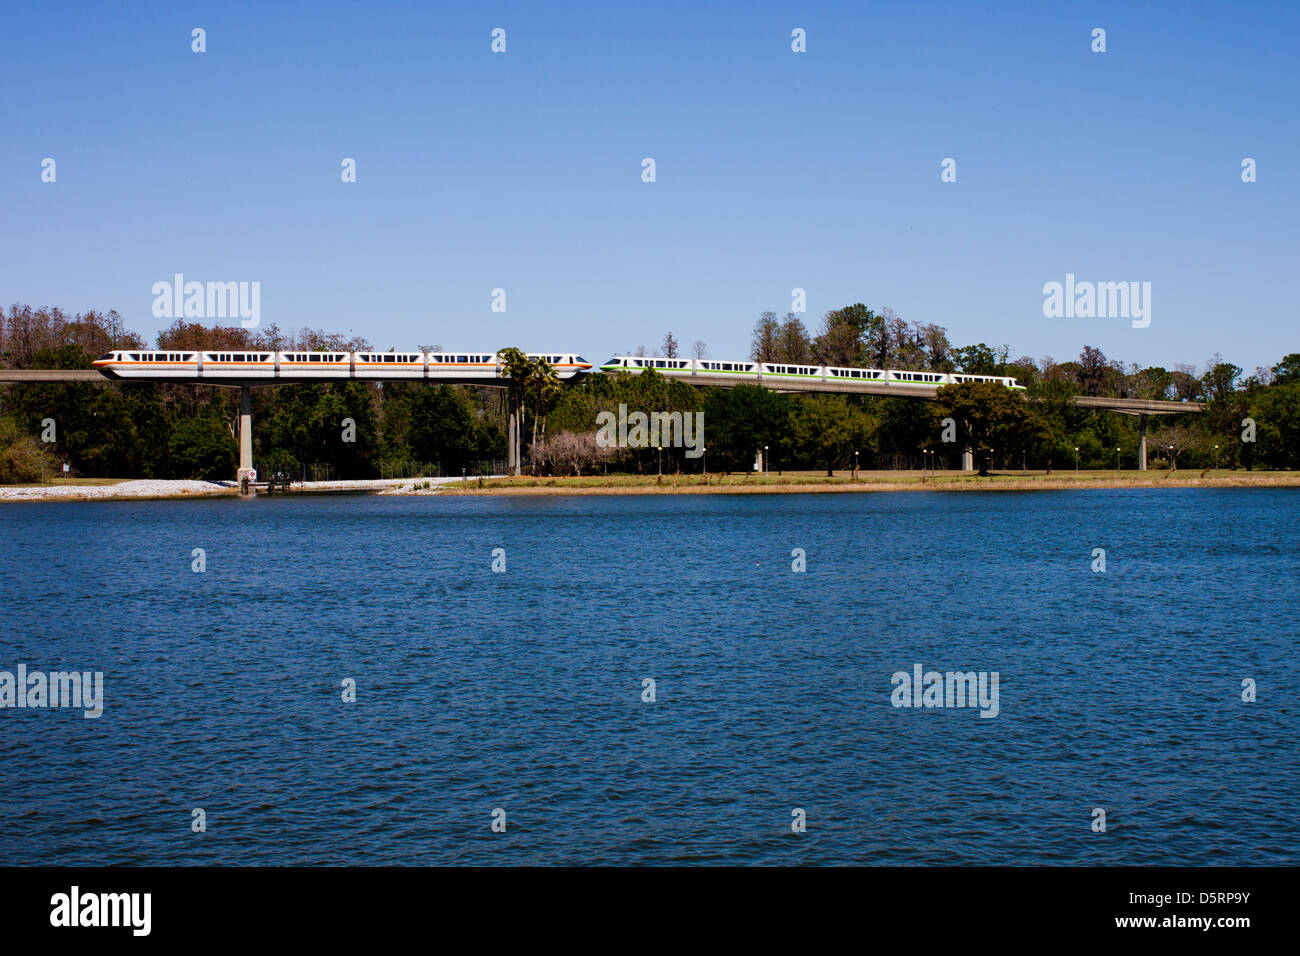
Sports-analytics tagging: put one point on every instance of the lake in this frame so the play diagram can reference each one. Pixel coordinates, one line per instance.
(526, 690)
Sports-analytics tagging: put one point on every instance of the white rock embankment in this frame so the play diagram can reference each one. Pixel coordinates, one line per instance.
(142, 488)
(161, 488)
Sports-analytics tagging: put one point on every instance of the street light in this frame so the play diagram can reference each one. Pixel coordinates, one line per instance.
(659, 461)
(1116, 461)
(990, 459)
(1173, 465)
(765, 459)
(1076, 457)
(855, 464)
(926, 461)
(1216, 457)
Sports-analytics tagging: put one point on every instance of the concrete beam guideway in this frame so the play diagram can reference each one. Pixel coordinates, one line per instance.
(1127, 406)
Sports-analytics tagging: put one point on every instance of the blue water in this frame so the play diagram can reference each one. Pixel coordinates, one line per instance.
(522, 690)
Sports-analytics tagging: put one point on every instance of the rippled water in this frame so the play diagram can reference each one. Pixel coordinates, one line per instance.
(478, 690)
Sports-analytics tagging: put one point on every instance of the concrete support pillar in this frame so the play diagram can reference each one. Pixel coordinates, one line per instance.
(968, 459)
(1142, 443)
(245, 433)
(513, 436)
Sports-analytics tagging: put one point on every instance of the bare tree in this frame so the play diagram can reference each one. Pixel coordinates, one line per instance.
(571, 451)
(699, 349)
(838, 343)
(670, 345)
(793, 344)
(938, 350)
(763, 343)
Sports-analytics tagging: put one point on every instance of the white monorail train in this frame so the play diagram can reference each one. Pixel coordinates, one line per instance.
(243, 365)
(762, 371)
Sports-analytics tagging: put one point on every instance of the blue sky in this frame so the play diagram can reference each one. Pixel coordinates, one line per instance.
(775, 169)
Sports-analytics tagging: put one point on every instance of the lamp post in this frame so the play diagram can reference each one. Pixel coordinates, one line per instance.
(925, 461)
(1117, 461)
(1024, 469)
(990, 459)
(659, 461)
(1216, 457)
(765, 459)
(1173, 465)
(1076, 458)
(855, 464)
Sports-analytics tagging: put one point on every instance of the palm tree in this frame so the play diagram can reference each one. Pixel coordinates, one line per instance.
(520, 369)
(546, 385)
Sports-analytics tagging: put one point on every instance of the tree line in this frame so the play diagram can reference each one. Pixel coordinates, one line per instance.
(148, 429)
(162, 430)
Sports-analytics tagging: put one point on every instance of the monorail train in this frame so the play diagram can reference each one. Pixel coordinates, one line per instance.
(761, 371)
(202, 365)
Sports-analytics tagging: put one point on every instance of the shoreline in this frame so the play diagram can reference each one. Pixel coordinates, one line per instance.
(180, 490)
(941, 484)
(158, 489)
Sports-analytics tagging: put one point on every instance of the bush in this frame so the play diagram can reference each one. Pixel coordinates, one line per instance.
(22, 457)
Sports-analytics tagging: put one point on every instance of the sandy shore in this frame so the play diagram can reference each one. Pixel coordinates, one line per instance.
(145, 489)
(875, 482)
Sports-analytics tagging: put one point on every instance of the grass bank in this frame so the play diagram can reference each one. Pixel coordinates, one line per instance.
(846, 482)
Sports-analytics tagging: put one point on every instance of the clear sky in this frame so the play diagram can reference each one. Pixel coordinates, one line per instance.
(775, 170)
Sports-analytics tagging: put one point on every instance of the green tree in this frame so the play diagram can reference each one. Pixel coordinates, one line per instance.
(1287, 370)
(827, 429)
(990, 418)
(975, 359)
(202, 448)
(739, 421)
